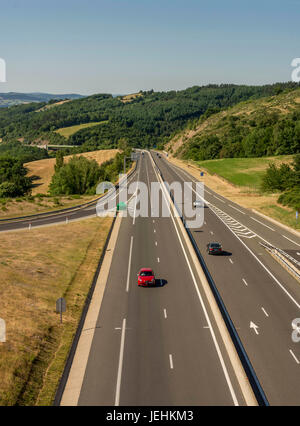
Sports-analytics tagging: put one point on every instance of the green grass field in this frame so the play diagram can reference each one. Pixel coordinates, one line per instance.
(246, 172)
(69, 131)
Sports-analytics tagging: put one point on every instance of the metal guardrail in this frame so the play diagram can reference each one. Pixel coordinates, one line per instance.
(280, 254)
(249, 370)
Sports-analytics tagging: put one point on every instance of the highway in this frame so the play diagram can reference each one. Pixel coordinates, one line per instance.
(158, 345)
(162, 345)
(256, 290)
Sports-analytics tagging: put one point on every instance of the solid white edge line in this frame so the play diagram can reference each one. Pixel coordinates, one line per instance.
(129, 264)
(120, 366)
(291, 240)
(221, 359)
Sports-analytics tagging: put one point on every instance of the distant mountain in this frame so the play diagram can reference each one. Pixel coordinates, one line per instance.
(14, 98)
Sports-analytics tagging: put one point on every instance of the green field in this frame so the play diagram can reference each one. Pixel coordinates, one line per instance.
(69, 131)
(246, 172)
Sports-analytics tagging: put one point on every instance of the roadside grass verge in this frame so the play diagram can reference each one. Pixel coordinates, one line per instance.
(246, 196)
(37, 267)
(40, 203)
(69, 131)
(245, 172)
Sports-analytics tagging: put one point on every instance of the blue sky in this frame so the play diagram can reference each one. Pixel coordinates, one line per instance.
(122, 46)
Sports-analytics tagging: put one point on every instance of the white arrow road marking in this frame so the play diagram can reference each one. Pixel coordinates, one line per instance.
(254, 326)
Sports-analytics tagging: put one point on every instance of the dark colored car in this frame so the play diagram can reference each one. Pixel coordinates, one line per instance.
(146, 277)
(214, 248)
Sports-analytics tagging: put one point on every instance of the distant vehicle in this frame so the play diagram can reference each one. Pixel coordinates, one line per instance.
(146, 277)
(143, 153)
(214, 248)
(198, 203)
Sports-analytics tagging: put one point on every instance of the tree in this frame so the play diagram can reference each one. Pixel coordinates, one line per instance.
(59, 160)
(122, 144)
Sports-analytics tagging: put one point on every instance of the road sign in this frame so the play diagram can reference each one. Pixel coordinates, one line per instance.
(297, 215)
(202, 174)
(61, 306)
(134, 156)
(121, 206)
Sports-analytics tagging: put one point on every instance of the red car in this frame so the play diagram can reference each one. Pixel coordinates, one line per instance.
(146, 277)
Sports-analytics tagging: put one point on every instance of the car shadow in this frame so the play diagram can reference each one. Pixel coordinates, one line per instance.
(160, 282)
(226, 253)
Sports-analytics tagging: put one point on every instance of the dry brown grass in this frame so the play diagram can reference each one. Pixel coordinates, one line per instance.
(37, 267)
(45, 168)
(129, 98)
(53, 105)
(14, 208)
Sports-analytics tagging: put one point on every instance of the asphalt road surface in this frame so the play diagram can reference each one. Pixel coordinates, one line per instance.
(256, 290)
(154, 346)
(162, 334)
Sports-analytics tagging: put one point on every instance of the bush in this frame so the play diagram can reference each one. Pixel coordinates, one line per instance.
(277, 178)
(13, 180)
(291, 199)
(81, 175)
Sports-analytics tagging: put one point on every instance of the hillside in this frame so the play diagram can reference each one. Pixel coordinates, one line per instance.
(253, 128)
(145, 119)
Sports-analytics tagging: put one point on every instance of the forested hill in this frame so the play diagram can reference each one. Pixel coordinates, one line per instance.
(147, 119)
(253, 128)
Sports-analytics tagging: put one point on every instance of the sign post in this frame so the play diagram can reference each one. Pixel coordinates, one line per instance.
(61, 307)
